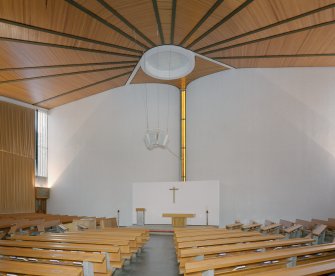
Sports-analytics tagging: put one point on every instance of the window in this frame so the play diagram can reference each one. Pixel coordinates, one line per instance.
(41, 143)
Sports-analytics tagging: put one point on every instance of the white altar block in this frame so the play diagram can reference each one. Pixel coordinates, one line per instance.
(194, 197)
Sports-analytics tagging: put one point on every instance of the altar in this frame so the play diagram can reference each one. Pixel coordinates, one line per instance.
(198, 200)
(179, 220)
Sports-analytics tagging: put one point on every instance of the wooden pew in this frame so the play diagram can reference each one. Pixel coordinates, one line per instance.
(253, 226)
(124, 245)
(21, 225)
(202, 253)
(312, 269)
(135, 241)
(328, 223)
(24, 268)
(319, 233)
(252, 262)
(91, 263)
(234, 226)
(271, 228)
(194, 244)
(114, 252)
(294, 231)
(286, 223)
(218, 236)
(108, 222)
(204, 232)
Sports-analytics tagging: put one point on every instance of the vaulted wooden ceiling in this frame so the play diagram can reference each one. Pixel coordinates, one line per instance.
(56, 51)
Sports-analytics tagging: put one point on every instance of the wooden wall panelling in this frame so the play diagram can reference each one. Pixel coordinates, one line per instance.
(17, 164)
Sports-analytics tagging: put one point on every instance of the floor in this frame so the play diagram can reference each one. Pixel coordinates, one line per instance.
(157, 258)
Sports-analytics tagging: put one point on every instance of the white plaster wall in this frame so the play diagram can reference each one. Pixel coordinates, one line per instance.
(268, 135)
(192, 197)
(96, 149)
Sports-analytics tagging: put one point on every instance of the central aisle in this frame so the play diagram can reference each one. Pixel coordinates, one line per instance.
(157, 258)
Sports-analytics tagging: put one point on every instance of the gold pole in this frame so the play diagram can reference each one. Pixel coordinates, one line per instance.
(183, 132)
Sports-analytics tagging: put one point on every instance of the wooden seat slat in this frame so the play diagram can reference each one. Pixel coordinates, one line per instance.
(233, 261)
(218, 236)
(313, 269)
(47, 254)
(229, 241)
(39, 269)
(241, 247)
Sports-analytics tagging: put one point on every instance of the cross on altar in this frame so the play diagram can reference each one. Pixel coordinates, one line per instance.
(174, 189)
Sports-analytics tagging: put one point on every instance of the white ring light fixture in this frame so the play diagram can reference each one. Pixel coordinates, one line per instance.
(168, 62)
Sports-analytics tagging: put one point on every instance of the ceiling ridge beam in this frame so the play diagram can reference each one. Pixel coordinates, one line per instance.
(158, 21)
(66, 74)
(83, 87)
(202, 20)
(71, 36)
(221, 22)
(67, 65)
(66, 47)
(173, 20)
(278, 23)
(278, 56)
(271, 37)
(105, 22)
(125, 21)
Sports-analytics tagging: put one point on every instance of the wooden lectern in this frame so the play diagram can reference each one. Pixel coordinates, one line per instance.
(179, 220)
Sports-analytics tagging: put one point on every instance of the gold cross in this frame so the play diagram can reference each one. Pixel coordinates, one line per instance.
(174, 189)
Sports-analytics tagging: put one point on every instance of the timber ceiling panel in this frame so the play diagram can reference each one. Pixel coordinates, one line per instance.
(56, 51)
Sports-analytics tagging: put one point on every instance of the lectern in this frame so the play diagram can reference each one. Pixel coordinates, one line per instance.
(140, 213)
(179, 220)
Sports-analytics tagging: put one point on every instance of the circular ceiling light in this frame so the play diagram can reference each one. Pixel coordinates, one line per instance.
(168, 62)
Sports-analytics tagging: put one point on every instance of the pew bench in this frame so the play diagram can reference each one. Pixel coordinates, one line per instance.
(92, 263)
(254, 226)
(202, 253)
(312, 269)
(294, 231)
(25, 268)
(139, 239)
(272, 228)
(234, 226)
(195, 244)
(125, 247)
(114, 252)
(262, 261)
(204, 232)
(218, 236)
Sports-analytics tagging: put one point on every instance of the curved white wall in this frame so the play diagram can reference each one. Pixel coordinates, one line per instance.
(96, 149)
(268, 135)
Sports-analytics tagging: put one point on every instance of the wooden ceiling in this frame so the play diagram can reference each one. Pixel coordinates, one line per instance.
(56, 51)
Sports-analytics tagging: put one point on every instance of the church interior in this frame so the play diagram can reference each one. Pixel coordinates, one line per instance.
(167, 137)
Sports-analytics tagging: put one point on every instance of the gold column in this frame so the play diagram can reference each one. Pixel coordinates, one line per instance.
(183, 133)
